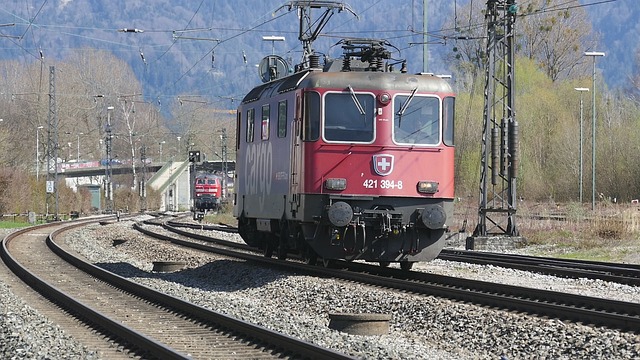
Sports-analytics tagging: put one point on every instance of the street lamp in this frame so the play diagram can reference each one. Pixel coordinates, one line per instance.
(179, 137)
(581, 90)
(38, 152)
(273, 40)
(593, 54)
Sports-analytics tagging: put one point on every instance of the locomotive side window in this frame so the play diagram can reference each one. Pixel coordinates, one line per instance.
(416, 120)
(250, 124)
(311, 116)
(448, 111)
(238, 122)
(349, 117)
(282, 119)
(264, 133)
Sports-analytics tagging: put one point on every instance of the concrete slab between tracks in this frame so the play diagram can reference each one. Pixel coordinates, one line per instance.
(360, 324)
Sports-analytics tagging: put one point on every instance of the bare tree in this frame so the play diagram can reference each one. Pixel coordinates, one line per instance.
(555, 34)
(467, 37)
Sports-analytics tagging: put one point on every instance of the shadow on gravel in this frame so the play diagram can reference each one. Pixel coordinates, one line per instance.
(219, 275)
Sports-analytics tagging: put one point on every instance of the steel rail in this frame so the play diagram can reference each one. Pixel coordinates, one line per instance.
(628, 274)
(286, 345)
(582, 309)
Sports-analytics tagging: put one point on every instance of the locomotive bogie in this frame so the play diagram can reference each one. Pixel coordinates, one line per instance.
(375, 230)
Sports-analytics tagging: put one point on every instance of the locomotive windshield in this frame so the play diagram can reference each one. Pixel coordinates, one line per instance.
(416, 120)
(349, 117)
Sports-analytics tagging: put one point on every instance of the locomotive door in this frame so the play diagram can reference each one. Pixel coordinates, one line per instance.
(296, 156)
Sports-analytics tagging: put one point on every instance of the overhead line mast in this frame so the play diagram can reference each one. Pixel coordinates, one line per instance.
(52, 149)
(499, 159)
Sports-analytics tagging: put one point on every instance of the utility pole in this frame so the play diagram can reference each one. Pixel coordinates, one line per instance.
(425, 38)
(52, 148)
(143, 181)
(499, 159)
(223, 149)
(108, 175)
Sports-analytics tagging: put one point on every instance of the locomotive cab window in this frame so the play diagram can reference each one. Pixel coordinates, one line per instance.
(311, 116)
(250, 124)
(448, 109)
(416, 120)
(349, 117)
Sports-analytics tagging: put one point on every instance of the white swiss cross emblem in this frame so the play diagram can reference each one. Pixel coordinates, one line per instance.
(383, 164)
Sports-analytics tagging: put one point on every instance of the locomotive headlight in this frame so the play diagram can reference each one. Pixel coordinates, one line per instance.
(384, 98)
(340, 214)
(335, 184)
(428, 187)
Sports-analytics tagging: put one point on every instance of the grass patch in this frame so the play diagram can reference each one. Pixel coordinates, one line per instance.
(574, 231)
(223, 216)
(13, 224)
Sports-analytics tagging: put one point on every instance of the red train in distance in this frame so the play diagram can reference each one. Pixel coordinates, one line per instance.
(351, 160)
(207, 192)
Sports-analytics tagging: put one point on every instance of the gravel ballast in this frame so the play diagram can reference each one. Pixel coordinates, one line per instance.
(420, 327)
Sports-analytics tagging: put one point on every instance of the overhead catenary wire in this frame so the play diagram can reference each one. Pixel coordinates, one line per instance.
(75, 31)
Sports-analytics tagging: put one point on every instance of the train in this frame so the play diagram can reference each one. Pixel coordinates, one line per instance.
(207, 192)
(351, 159)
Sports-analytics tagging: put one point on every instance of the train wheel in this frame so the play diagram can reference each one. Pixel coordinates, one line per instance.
(282, 252)
(384, 263)
(310, 257)
(268, 250)
(283, 240)
(406, 265)
(329, 263)
(248, 232)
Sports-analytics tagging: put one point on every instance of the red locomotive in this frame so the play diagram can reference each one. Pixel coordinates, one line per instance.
(347, 161)
(208, 189)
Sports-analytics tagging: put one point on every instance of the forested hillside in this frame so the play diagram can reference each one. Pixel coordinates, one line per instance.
(213, 65)
(207, 48)
(619, 29)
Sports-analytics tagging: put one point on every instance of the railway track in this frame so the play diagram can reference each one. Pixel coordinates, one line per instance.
(582, 309)
(139, 321)
(628, 274)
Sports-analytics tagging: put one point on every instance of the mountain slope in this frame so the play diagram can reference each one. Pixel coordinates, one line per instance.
(209, 60)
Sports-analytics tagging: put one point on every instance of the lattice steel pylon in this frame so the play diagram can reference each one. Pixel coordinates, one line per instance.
(52, 148)
(499, 161)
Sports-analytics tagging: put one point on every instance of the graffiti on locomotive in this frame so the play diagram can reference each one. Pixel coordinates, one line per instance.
(258, 170)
